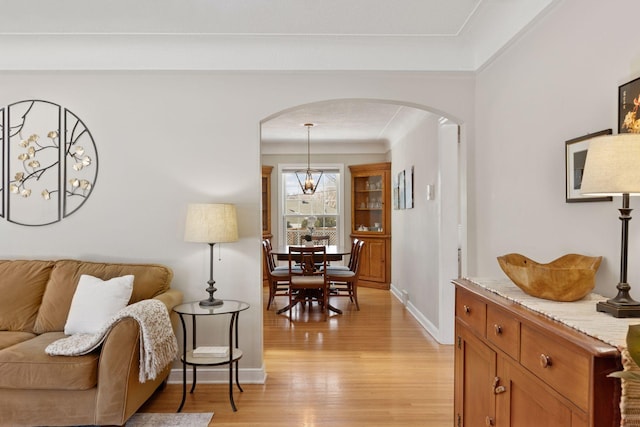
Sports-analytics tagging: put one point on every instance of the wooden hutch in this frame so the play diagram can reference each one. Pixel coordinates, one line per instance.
(371, 221)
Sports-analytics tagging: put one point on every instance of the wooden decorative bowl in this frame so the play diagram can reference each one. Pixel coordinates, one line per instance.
(568, 278)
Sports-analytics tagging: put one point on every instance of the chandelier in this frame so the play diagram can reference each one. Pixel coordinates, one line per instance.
(309, 179)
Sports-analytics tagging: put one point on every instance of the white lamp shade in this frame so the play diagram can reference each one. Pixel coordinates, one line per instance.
(211, 223)
(613, 165)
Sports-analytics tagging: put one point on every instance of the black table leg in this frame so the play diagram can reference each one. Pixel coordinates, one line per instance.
(184, 363)
(237, 376)
(231, 347)
(193, 345)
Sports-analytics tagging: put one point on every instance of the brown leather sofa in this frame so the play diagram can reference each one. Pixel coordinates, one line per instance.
(100, 388)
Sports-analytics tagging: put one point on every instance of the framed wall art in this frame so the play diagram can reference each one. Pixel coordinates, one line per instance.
(408, 188)
(575, 157)
(628, 102)
(396, 192)
(401, 190)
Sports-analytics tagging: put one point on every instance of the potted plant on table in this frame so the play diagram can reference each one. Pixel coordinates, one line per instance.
(308, 241)
(311, 225)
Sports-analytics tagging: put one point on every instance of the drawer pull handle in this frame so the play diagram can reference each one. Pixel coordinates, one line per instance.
(466, 309)
(545, 361)
(497, 329)
(488, 421)
(497, 388)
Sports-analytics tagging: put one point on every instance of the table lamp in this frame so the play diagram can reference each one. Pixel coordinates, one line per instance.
(211, 223)
(613, 168)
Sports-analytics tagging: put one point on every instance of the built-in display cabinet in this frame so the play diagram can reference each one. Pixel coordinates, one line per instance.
(371, 221)
(266, 202)
(266, 211)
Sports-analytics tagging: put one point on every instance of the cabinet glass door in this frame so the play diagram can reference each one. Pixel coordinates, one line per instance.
(265, 205)
(368, 203)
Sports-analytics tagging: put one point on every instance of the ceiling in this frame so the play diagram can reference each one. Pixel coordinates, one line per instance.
(407, 35)
(289, 17)
(344, 127)
(418, 35)
(257, 17)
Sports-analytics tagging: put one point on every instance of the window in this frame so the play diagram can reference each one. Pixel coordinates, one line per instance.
(297, 208)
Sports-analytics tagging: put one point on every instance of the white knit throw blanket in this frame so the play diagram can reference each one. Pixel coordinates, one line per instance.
(158, 344)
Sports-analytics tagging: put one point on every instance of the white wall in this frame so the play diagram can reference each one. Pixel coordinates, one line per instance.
(415, 232)
(424, 242)
(558, 82)
(166, 139)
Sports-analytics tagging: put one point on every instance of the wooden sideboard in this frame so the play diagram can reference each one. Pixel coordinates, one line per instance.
(515, 367)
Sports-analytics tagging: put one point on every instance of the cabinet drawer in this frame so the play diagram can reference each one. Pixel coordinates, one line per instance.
(503, 330)
(563, 366)
(471, 310)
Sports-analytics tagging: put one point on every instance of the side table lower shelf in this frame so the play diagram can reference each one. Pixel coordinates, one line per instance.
(194, 361)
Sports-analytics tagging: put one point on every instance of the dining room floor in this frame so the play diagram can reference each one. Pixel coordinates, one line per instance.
(373, 367)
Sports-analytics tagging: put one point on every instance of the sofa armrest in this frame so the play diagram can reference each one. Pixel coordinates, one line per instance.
(117, 366)
(170, 298)
(120, 393)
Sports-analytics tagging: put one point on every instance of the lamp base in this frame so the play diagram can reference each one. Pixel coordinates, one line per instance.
(210, 302)
(617, 309)
(622, 305)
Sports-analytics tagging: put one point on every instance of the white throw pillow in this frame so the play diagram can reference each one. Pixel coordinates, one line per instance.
(96, 301)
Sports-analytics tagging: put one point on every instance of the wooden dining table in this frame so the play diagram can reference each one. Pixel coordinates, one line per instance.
(334, 253)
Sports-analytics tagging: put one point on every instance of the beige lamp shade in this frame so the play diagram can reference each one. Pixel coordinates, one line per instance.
(612, 166)
(211, 223)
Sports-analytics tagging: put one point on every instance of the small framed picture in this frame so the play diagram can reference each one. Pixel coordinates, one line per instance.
(408, 188)
(396, 193)
(628, 103)
(401, 190)
(575, 157)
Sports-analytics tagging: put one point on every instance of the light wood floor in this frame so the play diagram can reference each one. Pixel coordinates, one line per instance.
(373, 367)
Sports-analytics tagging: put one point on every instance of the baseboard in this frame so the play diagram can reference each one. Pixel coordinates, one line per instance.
(422, 320)
(218, 375)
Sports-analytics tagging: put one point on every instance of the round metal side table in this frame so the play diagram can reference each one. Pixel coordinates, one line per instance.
(195, 310)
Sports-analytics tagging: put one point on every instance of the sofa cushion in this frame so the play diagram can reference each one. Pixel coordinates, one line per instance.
(9, 338)
(22, 285)
(95, 302)
(149, 280)
(26, 366)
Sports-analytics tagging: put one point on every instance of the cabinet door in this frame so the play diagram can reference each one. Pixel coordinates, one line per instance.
(373, 260)
(527, 402)
(475, 371)
(266, 213)
(266, 202)
(369, 203)
(371, 199)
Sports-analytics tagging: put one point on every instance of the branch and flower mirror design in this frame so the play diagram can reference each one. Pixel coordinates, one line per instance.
(52, 162)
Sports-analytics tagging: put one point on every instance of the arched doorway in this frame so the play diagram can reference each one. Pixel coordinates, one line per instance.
(428, 240)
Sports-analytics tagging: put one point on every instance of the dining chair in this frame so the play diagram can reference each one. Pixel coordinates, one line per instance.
(278, 277)
(344, 282)
(354, 245)
(272, 258)
(267, 244)
(307, 282)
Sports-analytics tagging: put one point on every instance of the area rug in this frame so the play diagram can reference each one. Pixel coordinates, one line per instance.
(143, 419)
